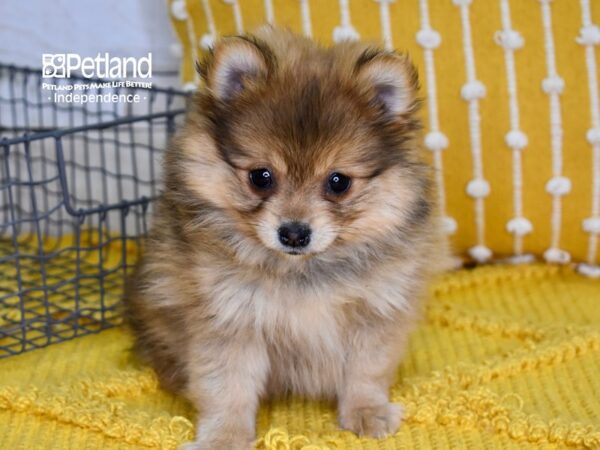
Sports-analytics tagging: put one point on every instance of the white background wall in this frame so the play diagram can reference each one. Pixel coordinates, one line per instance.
(29, 28)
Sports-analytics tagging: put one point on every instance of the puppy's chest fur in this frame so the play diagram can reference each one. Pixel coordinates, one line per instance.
(306, 328)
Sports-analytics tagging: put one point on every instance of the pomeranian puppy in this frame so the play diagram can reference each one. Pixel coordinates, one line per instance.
(294, 238)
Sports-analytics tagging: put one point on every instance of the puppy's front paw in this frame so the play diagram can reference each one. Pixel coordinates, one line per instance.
(374, 421)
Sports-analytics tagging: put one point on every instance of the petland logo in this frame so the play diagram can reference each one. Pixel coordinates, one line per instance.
(62, 65)
(100, 79)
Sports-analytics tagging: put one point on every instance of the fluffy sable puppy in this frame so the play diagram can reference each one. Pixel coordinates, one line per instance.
(294, 238)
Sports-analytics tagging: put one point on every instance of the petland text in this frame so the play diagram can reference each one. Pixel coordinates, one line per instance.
(62, 65)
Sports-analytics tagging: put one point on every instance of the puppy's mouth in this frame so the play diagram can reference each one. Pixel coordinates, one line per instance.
(298, 253)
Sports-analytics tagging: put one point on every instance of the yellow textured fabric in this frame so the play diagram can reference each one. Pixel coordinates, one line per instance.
(530, 63)
(505, 358)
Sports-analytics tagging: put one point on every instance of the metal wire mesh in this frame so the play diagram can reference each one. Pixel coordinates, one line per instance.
(76, 188)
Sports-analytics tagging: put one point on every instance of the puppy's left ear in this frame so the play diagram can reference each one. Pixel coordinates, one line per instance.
(390, 79)
(235, 64)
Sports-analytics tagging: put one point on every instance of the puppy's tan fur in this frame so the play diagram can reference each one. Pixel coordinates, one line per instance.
(223, 314)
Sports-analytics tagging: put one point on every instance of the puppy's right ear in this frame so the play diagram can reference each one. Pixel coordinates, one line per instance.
(391, 80)
(235, 64)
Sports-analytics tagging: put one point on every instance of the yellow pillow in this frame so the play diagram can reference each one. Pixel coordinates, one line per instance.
(464, 50)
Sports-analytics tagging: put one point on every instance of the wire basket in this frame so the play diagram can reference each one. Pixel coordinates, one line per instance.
(76, 189)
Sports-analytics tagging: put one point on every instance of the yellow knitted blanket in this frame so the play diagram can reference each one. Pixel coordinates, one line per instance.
(506, 357)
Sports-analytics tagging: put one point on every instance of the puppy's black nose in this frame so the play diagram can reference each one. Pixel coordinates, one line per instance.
(294, 234)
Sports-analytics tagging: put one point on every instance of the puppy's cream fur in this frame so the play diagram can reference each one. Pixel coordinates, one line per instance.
(224, 315)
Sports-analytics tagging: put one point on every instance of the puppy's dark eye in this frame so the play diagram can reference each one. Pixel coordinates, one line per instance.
(261, 178)
(338, 183)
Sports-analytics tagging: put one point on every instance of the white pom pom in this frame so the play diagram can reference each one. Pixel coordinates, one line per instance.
(429, 39)
(510, 39)
(345, 33)
(473, 90)
(480, 253)
(449, 225)
(525, 258)
(478, 188)
(178, 10)
(190, 87)
(593, 136)
(592, 225)
(589, 270)
(558, 186)
(436, 141)
(519, 226)
(516, 139)
(207, 41)
(553, 85)
(556, 255)
(176, 50)
(462, 2)
(589, 35)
